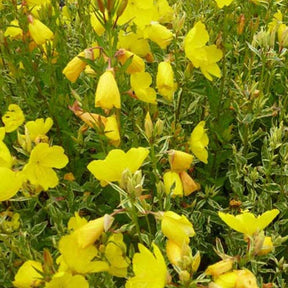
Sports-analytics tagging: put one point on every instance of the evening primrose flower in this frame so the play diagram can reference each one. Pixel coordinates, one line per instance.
(74, 68)
(158, 34)
(247, 223)
(39, 32)
(140, 83)
(165, 80)
(13, 118)
(199, 141)
(173, 184)
(6, 159)
(107, 94)
(66, 279)
(202, 56)
(222, 3)
(111, 168)
(11, 182)
(76, 259)
(14, 30)
(137, 64)
(149, 268)
(39, 168)
(37, 130)
(115, 253)
(176, 228)
(188, 183)
(29, 275)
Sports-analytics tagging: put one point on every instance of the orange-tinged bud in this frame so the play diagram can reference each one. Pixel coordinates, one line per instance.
(122, 7)
(107, 93)
(100, 5)
(241, 24)
(189, 185)
(69, 177)
(179, 161)
(137, 64)
(220, 267)
(39, 32)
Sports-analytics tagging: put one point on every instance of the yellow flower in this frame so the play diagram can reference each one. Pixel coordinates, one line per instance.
(96, 24)
(37, 129)
(179, 161)
(76, 222)
(13, 118)
(222, 3)
(267, 246)
(111, 168)
(247, 223)
(199, 141)
(134, 42)
(39, 168)
(150, 269)
(107, 93)
(140, 83)
(74, 68)
(139, 12)
(65, 279)
(177, 228)
(137, 64)
(158, 34)
(11, 182)
(39, 32)
(115, 253)
(28, 276)
(200, 55)
(246, 279)
(13, 31)
(226, 280)
(90, 232)
(165, 80)
(173, 184)
(6, 159)
(111, 130)
(75, 259)
(164, 13)
(220, 267)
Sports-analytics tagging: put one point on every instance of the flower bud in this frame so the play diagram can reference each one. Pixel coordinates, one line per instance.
(173, 184)
(267, 246)
(159, 126)
(220, 267)
(122, 7)
(148, 125)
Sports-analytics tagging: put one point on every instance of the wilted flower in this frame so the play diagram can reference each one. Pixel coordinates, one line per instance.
(179, 160)
(199, 141)
(220, 267)
(149, 268)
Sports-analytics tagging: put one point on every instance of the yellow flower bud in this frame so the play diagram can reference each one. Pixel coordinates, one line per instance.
(148, 125)
(174, 252)
(179, 161)
(107, 93)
